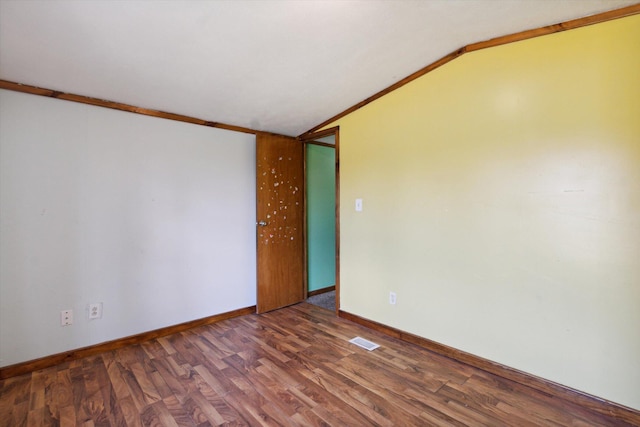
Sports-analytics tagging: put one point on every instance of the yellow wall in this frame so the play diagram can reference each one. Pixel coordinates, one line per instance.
(502, 205)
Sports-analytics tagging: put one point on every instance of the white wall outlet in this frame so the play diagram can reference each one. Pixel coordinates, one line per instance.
(95, 310)
(358, 205)
(66, 317)
(392, 297)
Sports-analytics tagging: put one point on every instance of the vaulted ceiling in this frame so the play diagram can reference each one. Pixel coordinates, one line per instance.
(273, 65)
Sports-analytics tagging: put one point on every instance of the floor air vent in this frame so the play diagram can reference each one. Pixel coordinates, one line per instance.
(366, 344)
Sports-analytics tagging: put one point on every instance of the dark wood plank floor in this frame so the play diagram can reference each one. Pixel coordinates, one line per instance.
(291, 367)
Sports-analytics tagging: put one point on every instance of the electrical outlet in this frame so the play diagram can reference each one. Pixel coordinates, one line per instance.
(95, 311)
(392, 297)
(66, 317)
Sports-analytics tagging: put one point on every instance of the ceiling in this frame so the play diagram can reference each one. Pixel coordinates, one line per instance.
(272, 65)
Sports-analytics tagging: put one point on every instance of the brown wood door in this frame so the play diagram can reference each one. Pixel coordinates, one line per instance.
(280, 217)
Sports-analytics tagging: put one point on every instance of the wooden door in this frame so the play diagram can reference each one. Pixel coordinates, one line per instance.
(280, 217)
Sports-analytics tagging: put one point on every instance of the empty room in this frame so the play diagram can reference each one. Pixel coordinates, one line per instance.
(458, 181)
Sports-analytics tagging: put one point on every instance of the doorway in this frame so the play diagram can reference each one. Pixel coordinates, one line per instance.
(321, 220)
(281, 221)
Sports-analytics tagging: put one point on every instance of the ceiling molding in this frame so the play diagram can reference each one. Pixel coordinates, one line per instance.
(33, 90)
(498, 41)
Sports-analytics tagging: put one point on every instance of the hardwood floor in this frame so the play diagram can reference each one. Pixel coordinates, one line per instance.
(290, 367)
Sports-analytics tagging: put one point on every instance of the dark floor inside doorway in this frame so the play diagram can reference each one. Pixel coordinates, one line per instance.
(326, 300)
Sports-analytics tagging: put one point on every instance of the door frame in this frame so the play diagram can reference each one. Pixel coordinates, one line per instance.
(311, 139)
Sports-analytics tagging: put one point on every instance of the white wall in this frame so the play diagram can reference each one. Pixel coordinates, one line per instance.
(153, 218)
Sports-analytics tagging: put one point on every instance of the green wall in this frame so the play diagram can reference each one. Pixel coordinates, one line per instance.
(321, 216)
(501, 198)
